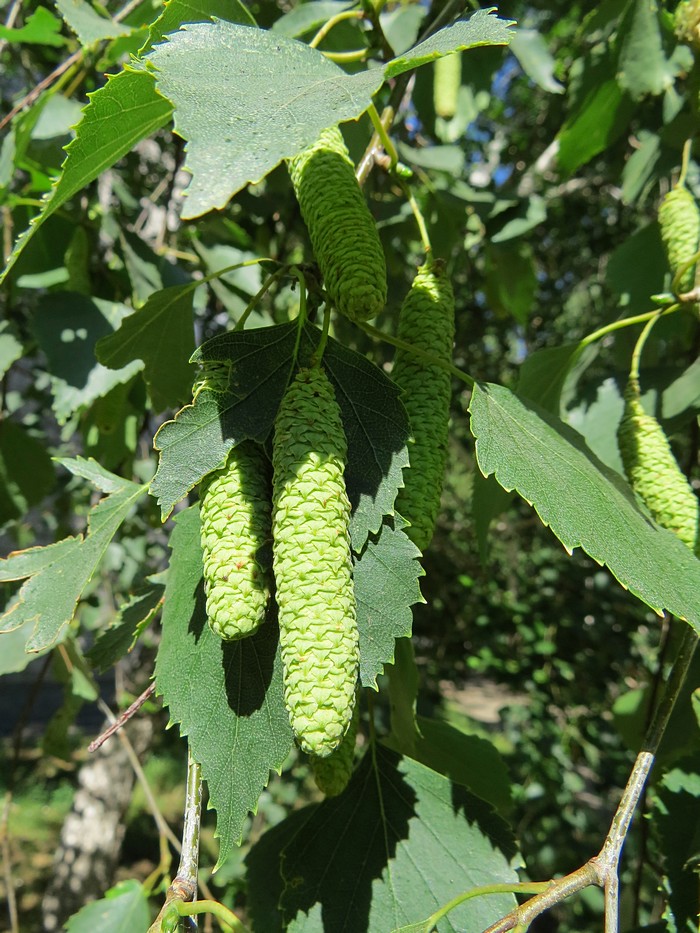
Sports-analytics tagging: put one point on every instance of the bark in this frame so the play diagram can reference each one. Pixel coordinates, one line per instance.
(93, 831)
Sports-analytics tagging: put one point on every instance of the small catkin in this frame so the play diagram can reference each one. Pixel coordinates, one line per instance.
(426, 322)
(679, 219)
(686, 22)
(332, 774)
(343, 233)
(653, 472)
(312, 563)
(447, 80)
(235, 531)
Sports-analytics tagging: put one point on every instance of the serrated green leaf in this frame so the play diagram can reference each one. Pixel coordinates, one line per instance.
(226, 697)
(480, 29)
(148, 271)
(124, 907)
(91, 470)
(199, 438)
(386, 586)
(14, 656)
(59, 573)
(120, 114)
(67, 326)
(401, 25)
(161, 333)
(643, 67)
(119, 638)
(396, 845)
(307, 16)
(584, 502)
(177, 12)
(466, 759)
(597, 421)
(41, 27)
(595, 125)
(286, 94)
(543, 374)
(261, 360)
(530, 48)
(89, 26)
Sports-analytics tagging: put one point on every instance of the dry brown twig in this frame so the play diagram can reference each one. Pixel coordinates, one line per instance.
(123, 719)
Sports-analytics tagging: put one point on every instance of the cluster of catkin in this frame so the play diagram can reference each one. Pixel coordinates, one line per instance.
(305, 511)
(650, 465)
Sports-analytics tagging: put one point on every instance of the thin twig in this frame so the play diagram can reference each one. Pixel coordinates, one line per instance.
(398, 93)
(603, 869)
(163, 828)
(374, 147)
(331, 23)
(188, 869)
(183, 888)
(30, 97)
(123, 719)
(643, 825)
(609, 857)
(74, 59)
(10, 20)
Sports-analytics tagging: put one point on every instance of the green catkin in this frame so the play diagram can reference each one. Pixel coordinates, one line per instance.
(686, 22)
(679, 219)
(343, 233)
(312, 562)
(653, 472)
(235, 530)
(427, 323)
(447, 80)
(332, 774)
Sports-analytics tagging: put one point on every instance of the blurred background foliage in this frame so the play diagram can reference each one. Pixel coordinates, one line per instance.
(540, 186)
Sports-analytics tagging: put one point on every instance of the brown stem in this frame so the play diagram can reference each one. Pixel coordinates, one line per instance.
(124, 718)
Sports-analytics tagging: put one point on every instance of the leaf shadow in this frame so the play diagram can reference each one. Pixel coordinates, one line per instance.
(67, 327)
(248, 667)
(477, 812)
(198, 619)
(330, 855)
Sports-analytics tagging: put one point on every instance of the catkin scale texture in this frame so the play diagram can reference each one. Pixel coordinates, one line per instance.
(235, 525)
(426, 322)
(343, 234)
(312, 563)
(333, 773)
(653, 472)
(679, 219)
